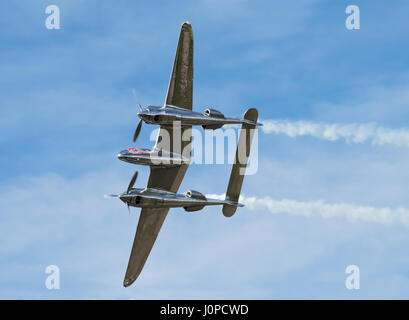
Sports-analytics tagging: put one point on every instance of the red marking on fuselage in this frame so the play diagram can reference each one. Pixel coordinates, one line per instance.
(138, 151)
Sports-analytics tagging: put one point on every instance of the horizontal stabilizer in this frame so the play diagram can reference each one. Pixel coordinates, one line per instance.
(240, 162)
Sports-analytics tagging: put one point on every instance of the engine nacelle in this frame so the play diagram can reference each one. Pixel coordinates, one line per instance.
(195, 195)
(213, 113)
(212, 126)
(196, 208)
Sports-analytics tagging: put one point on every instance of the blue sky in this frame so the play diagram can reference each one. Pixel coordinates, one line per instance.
(67, 108)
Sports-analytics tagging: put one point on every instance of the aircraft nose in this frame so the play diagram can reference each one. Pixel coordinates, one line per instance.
(123, 199)
(122, 155)
(145, 116)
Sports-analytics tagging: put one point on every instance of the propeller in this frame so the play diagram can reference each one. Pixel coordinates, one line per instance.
(137, 131)
(138, 128)
(132, 182)
(130, 186)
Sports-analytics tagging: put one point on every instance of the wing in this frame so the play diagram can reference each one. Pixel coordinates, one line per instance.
(175, 139)
(180, 90)
(150, 222)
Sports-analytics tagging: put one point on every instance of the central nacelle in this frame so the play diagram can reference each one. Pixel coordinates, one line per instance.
(155, 158)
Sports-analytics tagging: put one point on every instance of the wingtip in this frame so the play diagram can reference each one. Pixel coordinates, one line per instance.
(128, 282)
(187, 26)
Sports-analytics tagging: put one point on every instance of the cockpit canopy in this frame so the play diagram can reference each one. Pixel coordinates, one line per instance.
(139, 151)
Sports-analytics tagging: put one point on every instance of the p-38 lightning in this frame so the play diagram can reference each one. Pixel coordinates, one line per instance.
(169, 161)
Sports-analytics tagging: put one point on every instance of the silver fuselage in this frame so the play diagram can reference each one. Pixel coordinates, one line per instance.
(159, 158)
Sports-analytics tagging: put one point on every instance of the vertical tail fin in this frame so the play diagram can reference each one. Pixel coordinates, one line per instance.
(240, 162)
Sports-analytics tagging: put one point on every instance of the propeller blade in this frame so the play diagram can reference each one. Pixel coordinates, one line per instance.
(137, 131)
(136, 99)
(132, 182)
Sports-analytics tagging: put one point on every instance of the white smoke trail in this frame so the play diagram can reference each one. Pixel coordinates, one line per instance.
(386, 216)
(351, 133)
